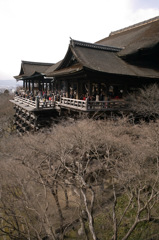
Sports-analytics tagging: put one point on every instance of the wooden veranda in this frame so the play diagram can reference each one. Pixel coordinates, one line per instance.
(32, 115)
(77, 105)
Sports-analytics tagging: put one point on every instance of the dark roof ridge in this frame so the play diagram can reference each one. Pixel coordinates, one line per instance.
(135, 25)
(37, 63)
(94, 46)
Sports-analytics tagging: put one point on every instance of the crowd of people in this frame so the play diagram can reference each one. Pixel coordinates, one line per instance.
(55, 96)
(41, 95)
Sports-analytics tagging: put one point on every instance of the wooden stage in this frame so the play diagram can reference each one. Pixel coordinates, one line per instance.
(32, 115)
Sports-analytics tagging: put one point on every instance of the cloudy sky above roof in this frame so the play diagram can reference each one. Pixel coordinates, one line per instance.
(40, 30)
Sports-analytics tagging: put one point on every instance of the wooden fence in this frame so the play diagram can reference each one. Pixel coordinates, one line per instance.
(83, 105)
(37, 104)
(93, 105)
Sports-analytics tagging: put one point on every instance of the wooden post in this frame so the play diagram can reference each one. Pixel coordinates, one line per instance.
(39, 85)
(66, 85)
(89, 88)
(29, 85)
(26, 85)
(37, 102)
(33, 86)
(86, 103)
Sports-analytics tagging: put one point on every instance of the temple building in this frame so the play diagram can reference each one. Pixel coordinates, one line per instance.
(112, 67)
(33, 77)
(92, 78)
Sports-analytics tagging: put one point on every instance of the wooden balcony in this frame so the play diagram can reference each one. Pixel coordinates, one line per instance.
(70, 103)
(93, 106)
(31, 105)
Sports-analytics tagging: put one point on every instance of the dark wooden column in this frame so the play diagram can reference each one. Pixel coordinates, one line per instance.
(89, 88)
(66, 88)
(25, 84)
(33, 86)
(29, 85)
(39, 85)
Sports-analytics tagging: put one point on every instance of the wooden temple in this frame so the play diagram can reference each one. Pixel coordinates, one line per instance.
(94, 77)
(33, 77)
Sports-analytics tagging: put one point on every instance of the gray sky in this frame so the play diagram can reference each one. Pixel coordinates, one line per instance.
(40, 30)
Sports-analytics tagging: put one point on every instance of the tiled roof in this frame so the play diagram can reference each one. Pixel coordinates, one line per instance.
(135, 26)
(30, 68)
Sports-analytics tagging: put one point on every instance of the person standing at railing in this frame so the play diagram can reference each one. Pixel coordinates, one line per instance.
(50, 97)
(81, 97)
(40, 95)
(84, 97)
(44, 95)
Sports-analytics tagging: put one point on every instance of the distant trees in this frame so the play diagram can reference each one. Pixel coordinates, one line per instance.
(76, 173)
(6, 91)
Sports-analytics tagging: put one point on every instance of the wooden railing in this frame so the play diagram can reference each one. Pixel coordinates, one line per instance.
(106, 105)
(73, 103)
(93, 105)
(38, 103)
(83, 105)
(44, 103)
(25, 101)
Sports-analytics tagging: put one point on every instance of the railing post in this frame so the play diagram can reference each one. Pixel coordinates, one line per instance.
(37, 102)
(86, 103)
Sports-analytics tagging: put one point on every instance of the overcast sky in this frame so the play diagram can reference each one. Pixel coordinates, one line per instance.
(40, 30)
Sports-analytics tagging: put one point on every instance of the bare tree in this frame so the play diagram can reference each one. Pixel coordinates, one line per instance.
(6, 114)
(145, 102)
(86, 166)
(24, 214)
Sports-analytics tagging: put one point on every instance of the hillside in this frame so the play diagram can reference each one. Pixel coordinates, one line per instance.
(81, 180)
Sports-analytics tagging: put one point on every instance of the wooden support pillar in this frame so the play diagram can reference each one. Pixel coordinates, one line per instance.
(89, 88)
(39, 85)
(66, 86)
(29, 85)
(37, 102)
(86, 103)
(99, 88)
(52, 86)
(77, 92)
(108, 85)
(33, 86)
(23, 84)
